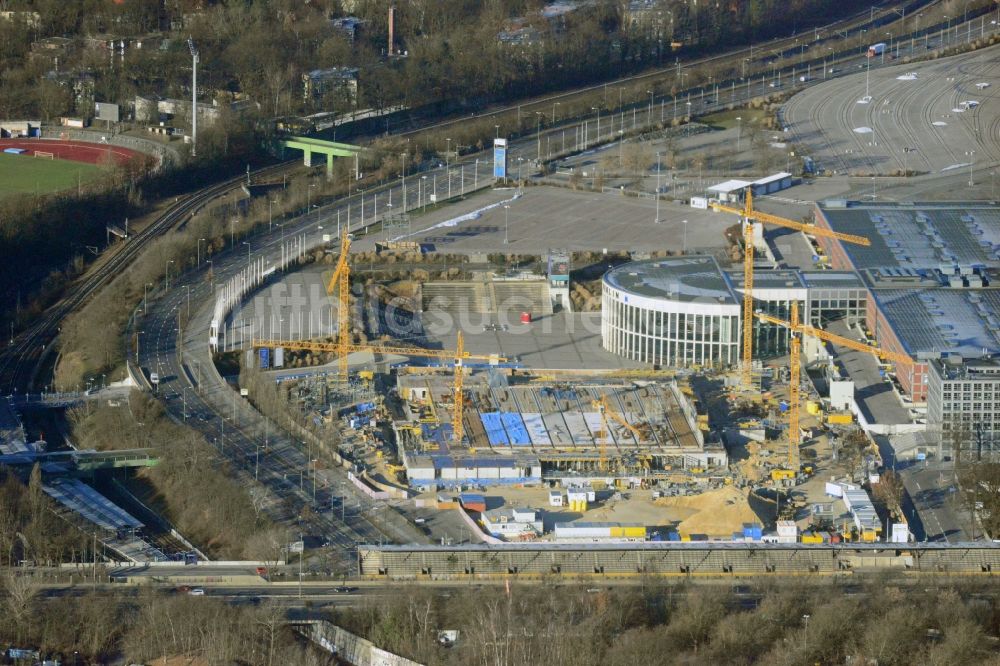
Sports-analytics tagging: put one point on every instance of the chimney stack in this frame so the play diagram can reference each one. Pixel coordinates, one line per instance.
(392, 31)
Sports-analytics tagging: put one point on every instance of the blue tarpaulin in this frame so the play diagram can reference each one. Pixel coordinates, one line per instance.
(493, 425)
(514, 426)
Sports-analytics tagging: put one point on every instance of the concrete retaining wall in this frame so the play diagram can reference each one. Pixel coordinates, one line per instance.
(350, 647)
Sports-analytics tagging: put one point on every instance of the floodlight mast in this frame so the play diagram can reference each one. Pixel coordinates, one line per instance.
(194, 97)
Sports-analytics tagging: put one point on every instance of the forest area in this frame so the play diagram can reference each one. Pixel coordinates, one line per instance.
(453, 48)
(654, 622)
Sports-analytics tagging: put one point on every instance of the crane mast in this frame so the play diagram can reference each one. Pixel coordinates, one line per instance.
(798, 329)
(750, 216)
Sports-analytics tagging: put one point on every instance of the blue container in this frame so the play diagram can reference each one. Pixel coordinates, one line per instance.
(673, 536)
(472, 498)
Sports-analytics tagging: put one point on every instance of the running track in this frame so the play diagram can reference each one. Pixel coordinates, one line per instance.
(77, 151)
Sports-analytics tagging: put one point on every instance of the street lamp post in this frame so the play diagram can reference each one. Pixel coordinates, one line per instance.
(538, 136)
(972, 162)
(144, 311)
(200, 241)
(684, 241)
(554, 105)
(739, 132)
(657, 220)
(447, 154)
(906, 153)
(649, 120)
(506, 223)
(403, 155)
(166, 274)
(247, 243)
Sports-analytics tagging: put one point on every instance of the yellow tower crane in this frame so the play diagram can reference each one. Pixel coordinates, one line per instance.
(797, 329)
(604, 409)
(750, 216)
(341, 280)
(458, 356)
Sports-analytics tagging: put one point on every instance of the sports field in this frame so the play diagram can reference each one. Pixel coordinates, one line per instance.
(27, 174)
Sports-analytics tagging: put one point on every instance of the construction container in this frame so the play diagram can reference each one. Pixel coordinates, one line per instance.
(782, 474)
(446, 502)
(787, 528)
(813, 407)
(841, 418)
(583, 530)
(869, 536)
(525, 317)
(812, 538)
(473, 502)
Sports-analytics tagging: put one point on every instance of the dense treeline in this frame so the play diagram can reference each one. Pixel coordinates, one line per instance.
(653, 624)
(146, 626)
(261, 48)
(656, 624)
(193, 486)
(30, 530)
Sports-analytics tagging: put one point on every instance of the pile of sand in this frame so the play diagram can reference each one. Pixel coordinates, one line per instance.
(717, 512)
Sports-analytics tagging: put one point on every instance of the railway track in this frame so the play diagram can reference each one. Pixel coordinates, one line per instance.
(760, 53)
(22, 359)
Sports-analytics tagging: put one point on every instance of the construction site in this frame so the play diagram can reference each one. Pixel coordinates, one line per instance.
(677, 375)
(518, 429)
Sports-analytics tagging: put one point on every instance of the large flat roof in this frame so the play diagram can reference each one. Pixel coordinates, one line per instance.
(676, 278)
(769, 279)
(920, 235)
(832, 280)
(946, 321)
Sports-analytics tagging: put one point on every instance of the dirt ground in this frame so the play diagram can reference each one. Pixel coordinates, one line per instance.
(715, 513)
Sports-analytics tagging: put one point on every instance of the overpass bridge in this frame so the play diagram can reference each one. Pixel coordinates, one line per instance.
(52, 400)
(82, 461)
(331, 149)
(687, 559)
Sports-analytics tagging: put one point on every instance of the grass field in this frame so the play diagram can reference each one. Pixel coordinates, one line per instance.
(727, 119)
(26, 174)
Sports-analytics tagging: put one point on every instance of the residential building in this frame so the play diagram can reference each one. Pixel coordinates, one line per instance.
(341, 82)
